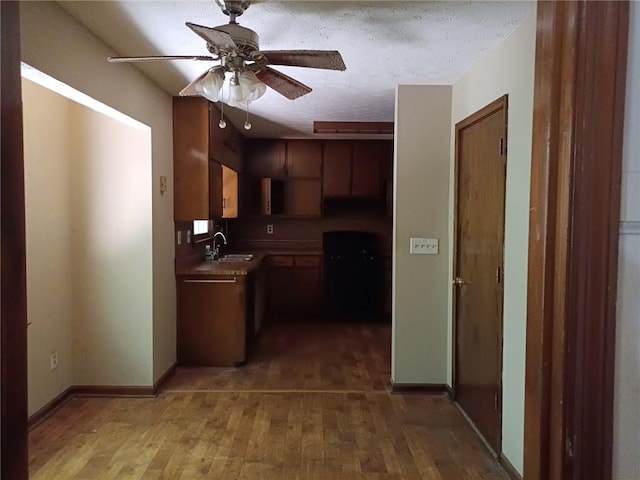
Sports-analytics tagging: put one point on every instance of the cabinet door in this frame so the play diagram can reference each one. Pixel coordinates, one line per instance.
(366, 175)
(229, 193)
(216, 135)
(266, 158)
(272, 196)
(281, 291)
(303, 196)
(308, 284)
(191, 158)
(336, 175)
(233, 148)
(215, 190)
(386, 160)
(294, 290)
(211, 322)
(304, 158)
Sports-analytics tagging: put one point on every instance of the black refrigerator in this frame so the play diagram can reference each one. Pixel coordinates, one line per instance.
(353, 275)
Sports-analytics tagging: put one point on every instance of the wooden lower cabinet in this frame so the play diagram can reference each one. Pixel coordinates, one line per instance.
(259, 299)
(294, 285)
(212, 321)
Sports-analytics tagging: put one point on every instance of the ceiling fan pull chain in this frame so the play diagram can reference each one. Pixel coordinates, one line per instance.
(247, 124)
(222, 123)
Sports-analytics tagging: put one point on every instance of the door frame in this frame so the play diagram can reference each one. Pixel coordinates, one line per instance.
(496, 105)
(581, 47)
(13, 288)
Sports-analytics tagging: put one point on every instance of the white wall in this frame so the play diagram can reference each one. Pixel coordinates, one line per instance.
(88, 218)
(421, 195)
(48, 232)
(626, 447)
(54, 43)
(110, 166)
(508, 69)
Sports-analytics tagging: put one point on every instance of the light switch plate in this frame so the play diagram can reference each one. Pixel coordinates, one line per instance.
(188, 236)
(423, 246)
(179, 237)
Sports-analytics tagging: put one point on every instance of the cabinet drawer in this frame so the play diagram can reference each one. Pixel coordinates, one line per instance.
(281, 260)
(307, 261)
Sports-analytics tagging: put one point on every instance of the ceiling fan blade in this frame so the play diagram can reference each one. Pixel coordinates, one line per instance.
(191, 90)
(326, 59)
(220, 40)
(283, 84)
(158, 57)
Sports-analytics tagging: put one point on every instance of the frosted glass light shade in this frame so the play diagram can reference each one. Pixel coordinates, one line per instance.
(211, 85)
(248, 89)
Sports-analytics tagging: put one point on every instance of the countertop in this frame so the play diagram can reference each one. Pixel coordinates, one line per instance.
(215, 268)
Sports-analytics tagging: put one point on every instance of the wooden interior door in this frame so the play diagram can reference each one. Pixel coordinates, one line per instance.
(478, 257)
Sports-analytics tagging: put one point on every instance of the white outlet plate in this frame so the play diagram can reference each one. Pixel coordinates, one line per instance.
(179, 237)
(270, 229)
(54, 360)
(188, 236)
(423, 246)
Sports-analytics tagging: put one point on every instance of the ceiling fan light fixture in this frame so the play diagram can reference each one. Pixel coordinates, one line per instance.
(244, 88)
(211, 85)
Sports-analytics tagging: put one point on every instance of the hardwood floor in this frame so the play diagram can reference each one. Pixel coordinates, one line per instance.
(312, 403)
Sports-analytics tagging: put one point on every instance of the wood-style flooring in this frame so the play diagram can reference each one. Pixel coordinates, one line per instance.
(312, 403)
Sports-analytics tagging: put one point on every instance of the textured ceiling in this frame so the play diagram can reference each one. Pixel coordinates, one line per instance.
(383, 43)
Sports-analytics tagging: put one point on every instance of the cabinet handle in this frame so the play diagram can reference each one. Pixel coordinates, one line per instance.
(224, 203)
(228, 280)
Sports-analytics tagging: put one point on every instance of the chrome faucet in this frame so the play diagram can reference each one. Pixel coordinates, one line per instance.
(216, 248)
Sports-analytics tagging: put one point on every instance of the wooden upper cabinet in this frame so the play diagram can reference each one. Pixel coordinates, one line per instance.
(355, 168)
(303, 196)
(229, 193)
(191, 158)
(200, 148)
(267, 158)
(225, 144)
(304, 159)
(215, 190)
(280, 158)
(336, 176)
(366, 170)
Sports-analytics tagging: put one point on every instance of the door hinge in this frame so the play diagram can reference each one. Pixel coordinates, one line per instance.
(498, 403)
(499, 275)
(568, 448)
(503, 146)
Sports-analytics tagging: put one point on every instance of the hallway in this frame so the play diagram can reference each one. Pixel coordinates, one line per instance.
(312, 403)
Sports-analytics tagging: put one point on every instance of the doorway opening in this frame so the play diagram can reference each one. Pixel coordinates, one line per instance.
(88, 217)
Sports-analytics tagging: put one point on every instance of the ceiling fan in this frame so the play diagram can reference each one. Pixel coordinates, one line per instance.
(245, 65)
